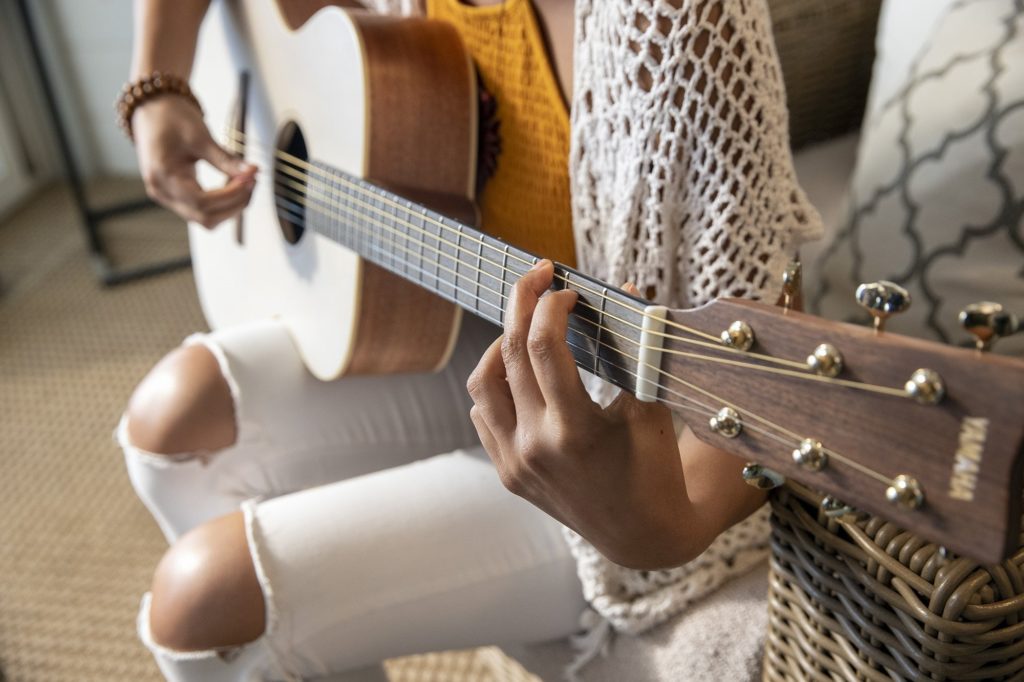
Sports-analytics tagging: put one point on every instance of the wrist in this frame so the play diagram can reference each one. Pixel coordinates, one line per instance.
(135, 94)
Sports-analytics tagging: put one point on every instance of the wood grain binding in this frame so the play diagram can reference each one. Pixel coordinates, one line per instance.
(419, 139)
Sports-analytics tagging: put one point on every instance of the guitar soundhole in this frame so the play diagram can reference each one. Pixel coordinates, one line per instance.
(291, 169)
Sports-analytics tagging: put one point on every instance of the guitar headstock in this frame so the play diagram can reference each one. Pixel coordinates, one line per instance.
(925, 435)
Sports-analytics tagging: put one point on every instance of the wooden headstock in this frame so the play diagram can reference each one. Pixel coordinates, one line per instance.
(963, 452)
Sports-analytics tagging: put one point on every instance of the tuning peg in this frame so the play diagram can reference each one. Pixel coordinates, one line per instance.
(835, 508)
(882, 299)
(791, 277)
(762, 477)
(988, 322)
(905, 492)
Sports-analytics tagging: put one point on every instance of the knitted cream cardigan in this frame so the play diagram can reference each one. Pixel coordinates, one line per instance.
(682, 181)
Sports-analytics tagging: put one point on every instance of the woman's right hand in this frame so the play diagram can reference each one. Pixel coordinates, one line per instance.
(170, 137)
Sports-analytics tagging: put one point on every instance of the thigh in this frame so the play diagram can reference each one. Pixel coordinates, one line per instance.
(428, 556)
(307, 432)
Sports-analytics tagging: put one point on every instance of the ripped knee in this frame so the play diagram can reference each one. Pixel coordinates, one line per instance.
(183, 405)
(206, 594)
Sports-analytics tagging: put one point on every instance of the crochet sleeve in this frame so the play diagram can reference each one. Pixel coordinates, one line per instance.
(682, 177)
(682, 182)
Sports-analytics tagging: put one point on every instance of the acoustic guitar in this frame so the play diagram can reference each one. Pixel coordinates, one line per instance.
(361, 241)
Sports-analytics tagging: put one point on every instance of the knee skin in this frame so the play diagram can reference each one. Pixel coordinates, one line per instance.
(205, 591)
(183, 405)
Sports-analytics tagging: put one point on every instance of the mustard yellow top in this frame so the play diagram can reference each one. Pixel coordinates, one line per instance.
(526, 202)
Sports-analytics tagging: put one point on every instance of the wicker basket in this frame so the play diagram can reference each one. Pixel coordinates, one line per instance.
(858, 598)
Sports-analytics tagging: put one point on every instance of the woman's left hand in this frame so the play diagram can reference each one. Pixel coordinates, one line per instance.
(613, 475)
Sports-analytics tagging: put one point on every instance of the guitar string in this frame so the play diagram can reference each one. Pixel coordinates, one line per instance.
(603, 328)
(804, 374)
(314, 171)
(896, 392)
(796, 438)
(717, 345)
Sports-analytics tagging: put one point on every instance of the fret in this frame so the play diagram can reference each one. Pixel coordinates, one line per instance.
(415, 246)
(579, 340)
(390, 231)
(413, 252)
(443, 246)
(346, 221)
(457, 258)
(404, 233)
(399, 256)
(371, 219)
(447, 248)
(504, 278)
(376, 221)
(505, 270)
(477, 302)
(317, 219)
(360, 223)
(596, 369)
(490, 278)
(435, 250)
(338, 220)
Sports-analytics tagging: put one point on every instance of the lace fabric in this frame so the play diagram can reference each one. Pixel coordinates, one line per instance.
(681, 173)
(682, 182)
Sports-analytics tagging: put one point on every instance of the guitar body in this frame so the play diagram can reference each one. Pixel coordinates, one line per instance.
(391, 100)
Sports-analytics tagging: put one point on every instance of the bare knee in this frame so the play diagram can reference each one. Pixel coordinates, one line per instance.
(205, 591)
(183, 405)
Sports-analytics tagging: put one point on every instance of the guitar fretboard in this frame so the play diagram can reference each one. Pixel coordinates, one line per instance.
(469, 268)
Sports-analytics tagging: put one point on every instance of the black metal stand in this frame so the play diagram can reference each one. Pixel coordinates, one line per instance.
(91, 217)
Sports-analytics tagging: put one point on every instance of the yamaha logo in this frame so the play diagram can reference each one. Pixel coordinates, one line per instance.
(967, 461)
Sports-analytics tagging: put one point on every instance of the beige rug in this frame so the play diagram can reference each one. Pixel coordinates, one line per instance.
(76, 548)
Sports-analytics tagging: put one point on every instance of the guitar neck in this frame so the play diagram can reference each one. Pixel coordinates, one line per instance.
(948, 468)
(469, 268)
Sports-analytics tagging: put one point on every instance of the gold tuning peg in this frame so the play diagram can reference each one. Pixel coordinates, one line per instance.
(882, 299)
(791, 278)
(762, 477)
(988, 322)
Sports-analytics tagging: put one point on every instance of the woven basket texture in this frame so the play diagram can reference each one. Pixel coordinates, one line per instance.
(826, 50)
(859, 598)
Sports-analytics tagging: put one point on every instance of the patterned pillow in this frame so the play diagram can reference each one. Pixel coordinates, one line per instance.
(937, 198)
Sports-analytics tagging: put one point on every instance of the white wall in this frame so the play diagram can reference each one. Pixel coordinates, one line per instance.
(87, 44)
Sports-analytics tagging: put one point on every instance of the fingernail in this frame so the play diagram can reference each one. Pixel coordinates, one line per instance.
(539, 264)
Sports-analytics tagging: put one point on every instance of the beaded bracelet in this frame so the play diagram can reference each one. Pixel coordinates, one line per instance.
(137, 93)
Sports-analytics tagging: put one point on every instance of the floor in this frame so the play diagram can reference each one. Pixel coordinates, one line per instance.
(76, 547)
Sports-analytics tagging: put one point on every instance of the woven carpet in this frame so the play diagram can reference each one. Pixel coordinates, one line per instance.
(76, 548)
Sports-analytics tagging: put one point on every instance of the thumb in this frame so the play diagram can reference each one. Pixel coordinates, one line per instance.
(226, 162)
(627, 408)
(630, 288)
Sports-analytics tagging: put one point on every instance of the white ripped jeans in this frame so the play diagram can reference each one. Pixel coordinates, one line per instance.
(376, 523)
